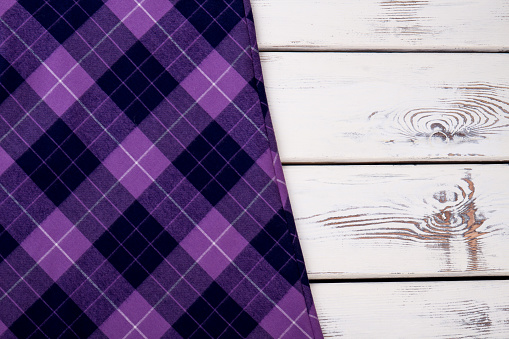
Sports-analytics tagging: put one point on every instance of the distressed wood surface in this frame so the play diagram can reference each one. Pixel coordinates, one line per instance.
(382, 24)
(359, 221)
(378, 107)
(454, 309)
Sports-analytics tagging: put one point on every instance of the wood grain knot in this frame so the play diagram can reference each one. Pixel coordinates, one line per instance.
(448, 213)
(462, 114)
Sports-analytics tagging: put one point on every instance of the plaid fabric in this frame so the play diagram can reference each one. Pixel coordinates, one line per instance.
(141, 194)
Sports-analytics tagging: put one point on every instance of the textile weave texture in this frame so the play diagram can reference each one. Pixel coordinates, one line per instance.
(141, 193)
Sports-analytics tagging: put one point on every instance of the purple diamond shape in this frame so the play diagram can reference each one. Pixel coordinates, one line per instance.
(3, 328)
(214, 223)
(5, 161)
(56, 225)
(231, 243)
(265, 163)
(39, 245)
(4, 6)
(208, 92)
(277, 323)
(60, 62)
(75, 244)
(231, 83)
(213, 102)
(135, 308)
(41, 80)
(77, 81)
(137, 20)
(136, 181)
(56, 262)
(59, 100)
(133, 175)
(136, 143)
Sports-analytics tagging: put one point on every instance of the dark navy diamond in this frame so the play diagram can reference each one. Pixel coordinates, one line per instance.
(53, 327)
(123, 68)
(58, 192)
(109, 82)
(61, 17)
(214, 34)
(262, 242)
(213, 162)
(165, 83)
(227, 178)
(123, 97)
(185, 325)
(31, 5)
(185, 162)
(199, 177)
(61, 30)
(228, 19)
(213, 133)
(289, 272)
(23, 327)
(201, 20)
(10, 79)
(215, 325)
(152, 68)
(61, 6)
(7, 244)
(58, 162)
(277, 257)
(138, 53)
(46, 16)
(137, 83)
(187, 8)
(90, 6)
(76, 17)
(260, 89)
(136, 213)
(137, 112)
(151, 97)
(229, 309)
(241, 162)
(214, 294)
(244, 324)
(200, 310)
(199, 147)
(213, 192)
(135, 244)
(54, 313)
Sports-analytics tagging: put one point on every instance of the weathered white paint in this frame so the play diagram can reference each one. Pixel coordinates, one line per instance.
(358, 221)
(376, 107)
(453, 309)
(382, 24)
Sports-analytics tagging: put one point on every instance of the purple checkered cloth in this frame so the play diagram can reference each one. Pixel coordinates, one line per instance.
(141, 194)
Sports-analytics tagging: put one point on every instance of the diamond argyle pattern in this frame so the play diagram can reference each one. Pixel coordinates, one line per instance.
(141, 193)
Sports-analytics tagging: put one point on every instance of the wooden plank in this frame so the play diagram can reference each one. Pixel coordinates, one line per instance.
(457, 309)
(378, 107)
(359, 221)
(347, 25)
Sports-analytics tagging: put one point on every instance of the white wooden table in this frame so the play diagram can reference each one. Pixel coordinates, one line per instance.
(392, 120)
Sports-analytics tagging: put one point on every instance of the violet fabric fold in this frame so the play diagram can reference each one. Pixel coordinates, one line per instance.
(141, 193)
